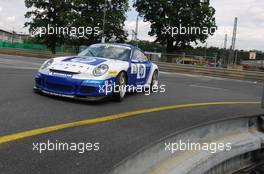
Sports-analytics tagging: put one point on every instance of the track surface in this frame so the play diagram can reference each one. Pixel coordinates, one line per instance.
(21, 110)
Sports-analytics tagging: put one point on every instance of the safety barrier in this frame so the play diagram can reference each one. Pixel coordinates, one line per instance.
(245, 135)
(217, 72)
(166, 67)
(26, 53)
(36, 47)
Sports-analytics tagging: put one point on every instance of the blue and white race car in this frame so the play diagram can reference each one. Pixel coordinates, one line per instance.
(100, 70)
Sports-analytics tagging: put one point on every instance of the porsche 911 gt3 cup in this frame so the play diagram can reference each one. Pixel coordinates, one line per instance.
(95, 71)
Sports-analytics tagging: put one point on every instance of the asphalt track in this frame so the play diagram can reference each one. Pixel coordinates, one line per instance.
(21, 110)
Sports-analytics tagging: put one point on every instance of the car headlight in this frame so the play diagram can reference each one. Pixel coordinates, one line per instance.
(47, 64)
(100, 70)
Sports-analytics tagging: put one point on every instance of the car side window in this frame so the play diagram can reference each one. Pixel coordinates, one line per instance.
(138, 55)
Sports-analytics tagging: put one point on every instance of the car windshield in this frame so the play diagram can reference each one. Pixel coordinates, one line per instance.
(107, 51)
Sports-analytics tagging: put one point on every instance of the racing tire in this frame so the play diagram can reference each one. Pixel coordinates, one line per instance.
(154, 80)
(120, 90)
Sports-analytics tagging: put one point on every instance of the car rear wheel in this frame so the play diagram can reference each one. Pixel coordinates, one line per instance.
(120, 90)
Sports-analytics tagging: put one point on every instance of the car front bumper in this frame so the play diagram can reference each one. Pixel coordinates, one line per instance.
(72, 88)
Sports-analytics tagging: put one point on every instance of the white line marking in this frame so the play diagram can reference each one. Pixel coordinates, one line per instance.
(208, 87)
(16, 67)
(210, 77)
(16, 62)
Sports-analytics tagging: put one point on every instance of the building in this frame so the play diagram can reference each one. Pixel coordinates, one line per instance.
(13, 37)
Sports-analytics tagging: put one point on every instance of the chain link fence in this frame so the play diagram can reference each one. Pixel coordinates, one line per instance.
(215, 60)
(184, 59)
(38, 47)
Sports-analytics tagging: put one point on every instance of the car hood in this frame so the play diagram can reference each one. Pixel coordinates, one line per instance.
(81, 64)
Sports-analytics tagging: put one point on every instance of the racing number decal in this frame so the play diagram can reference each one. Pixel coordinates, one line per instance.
(141, 73)
(134, 69)
(139, 70)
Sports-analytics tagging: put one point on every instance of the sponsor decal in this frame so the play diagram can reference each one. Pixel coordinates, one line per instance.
(60, 74)
(116, 46)
(85, 60)
(112, 73)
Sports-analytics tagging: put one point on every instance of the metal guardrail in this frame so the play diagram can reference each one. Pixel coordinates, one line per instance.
(217, 72)
(245, 134)
(21, 52)
(167, 67)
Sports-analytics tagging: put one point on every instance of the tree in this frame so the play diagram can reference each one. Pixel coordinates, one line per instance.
(45, 14)
(178, 23)
(79, 22)
(90, 13)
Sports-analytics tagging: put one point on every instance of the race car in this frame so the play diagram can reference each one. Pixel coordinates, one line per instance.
(100, 70)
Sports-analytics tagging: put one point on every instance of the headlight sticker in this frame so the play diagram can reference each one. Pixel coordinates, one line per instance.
(47, 63)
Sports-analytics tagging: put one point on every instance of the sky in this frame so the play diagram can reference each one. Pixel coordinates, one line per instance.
(250, 13)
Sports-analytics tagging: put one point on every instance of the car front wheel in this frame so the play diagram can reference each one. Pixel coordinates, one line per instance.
(120, 89)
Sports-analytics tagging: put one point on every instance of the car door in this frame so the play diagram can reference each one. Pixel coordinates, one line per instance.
(140, 68)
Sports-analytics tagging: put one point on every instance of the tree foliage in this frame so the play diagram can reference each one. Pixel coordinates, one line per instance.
(44, 13)
(90, 13)
(76, 14)
(177, 14)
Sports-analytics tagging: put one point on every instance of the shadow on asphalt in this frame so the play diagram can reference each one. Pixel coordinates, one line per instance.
(106, 100)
